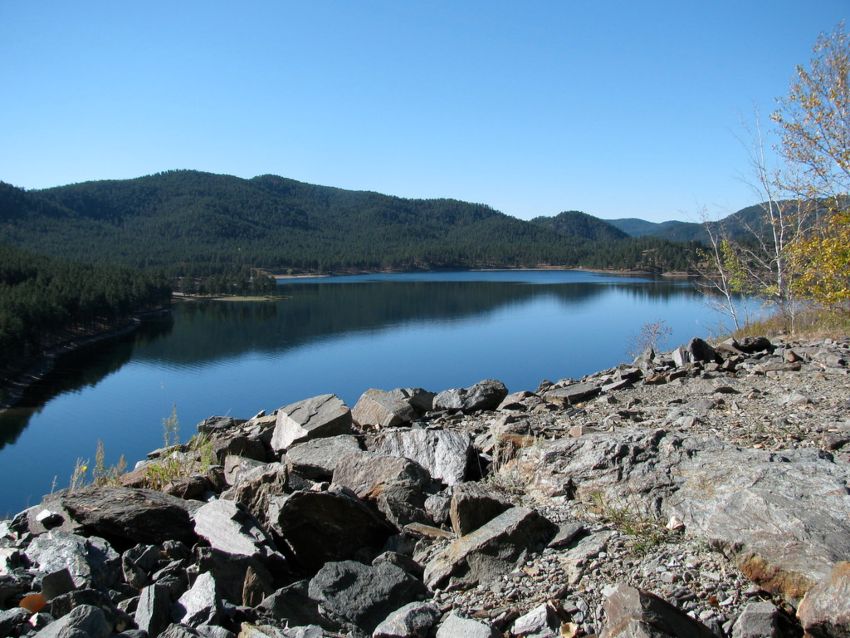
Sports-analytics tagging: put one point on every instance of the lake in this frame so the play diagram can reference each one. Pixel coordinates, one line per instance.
(337, 334)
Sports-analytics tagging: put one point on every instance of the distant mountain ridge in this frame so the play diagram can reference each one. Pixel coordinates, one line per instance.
(190, 222)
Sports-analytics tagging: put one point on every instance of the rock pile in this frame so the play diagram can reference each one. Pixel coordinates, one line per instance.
(703, 492)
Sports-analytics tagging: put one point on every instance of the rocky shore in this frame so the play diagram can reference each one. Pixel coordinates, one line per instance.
(701, 492)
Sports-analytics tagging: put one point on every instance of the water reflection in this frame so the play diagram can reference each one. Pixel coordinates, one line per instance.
(206, 332)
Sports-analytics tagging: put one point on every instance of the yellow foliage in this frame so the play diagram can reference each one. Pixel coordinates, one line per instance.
(823, 261)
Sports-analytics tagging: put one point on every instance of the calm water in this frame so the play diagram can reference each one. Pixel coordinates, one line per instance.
(341, 335)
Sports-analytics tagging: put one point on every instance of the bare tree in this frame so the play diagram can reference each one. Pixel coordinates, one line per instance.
(715, 278)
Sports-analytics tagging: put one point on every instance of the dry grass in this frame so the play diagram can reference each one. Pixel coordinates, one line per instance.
(810, 324)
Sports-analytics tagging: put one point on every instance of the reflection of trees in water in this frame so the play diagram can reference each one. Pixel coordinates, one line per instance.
(210, 331)
(73, 372)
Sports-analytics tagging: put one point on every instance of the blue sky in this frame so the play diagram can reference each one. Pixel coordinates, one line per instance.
(620, 109)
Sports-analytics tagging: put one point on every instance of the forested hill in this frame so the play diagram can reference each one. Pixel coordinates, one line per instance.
(194, 223)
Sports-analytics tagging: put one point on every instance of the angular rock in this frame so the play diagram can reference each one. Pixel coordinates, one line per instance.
(759, 619)
(199, 604)
(153, 613)
(370, 475)
(472, 505)
(255, 488)
(292, 604)
(447, 455)
(519, 401)
(326, 526)
(414, 620)
(320, 416)
(317, 459)
(90, 561)
(786, 516)
(380, 409)
(12, 619)
(458, 627)
(632, 613)
(825, 611)
(138, 562)
(540, 622)
(179, 631)
(438, 508)
(357, 594)
(230, 529)
(230, 571)
(128, 516)
(237, 466)
(503, 539)
(572, 394)
(86, 619)
(56, 584)
(484, 395)
(701, 350)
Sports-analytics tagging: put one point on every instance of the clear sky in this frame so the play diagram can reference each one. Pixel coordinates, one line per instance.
(619, 109)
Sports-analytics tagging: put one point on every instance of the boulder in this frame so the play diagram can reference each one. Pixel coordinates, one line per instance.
(503, 539)
(414, 620)
(484, 395)
(230, 529)
(90, 561)
(519, 402)
(236, 467)
(232, 573)
(127, 516)
(199, 604)
(472, 505)
(324, 415)
(317, 459)
(356, 594)
(292, 604)
(319, 527)
(455, 626)
(138, 562)
(57, 583)
(85, 620)
(371, 476)
(153, 612)
(825, 611)
(447, 455)
(760, 619)
(702, 351)
(540, 622)
(632, 613)
(255, 488)
(381, 409)
(786, 516)
(573, 393)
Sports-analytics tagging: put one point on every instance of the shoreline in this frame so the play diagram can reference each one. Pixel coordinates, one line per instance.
(14, 388)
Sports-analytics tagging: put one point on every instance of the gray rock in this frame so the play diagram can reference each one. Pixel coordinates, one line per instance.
(214, 631)
(380, 409)
(86, 619)
(372, 476)
(317, 459)
(179, 631)
(572, 394)
(540, 622)
(445, 454)
(519, 401)
(702, 351)
(11, 619)
(681, 357)
(825, 611)
(255, 488)
(90, 561)
(484, 395)
(130, 515)
(231, 573)
(414, 620)
(437, 506)
(455, 626)
(361, 595)
(230, 529)
(153, 612)
(786, 516)
(503, 538)
(326, 526)
(138, 562)
(324, 415)
(56, 584)
(632, 613)
(236, 466)
(198, 605)
(758, 619)
(472, 505)
(292, 604)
